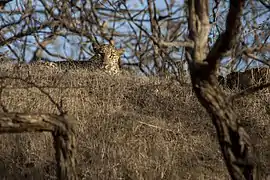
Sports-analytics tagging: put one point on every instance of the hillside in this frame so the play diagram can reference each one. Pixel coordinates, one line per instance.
(128, 127)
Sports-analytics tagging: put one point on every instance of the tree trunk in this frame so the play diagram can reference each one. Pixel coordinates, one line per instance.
(235, 143)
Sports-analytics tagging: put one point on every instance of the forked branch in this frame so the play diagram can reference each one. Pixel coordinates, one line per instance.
(227, 38)
(62, 129)
(235, 143)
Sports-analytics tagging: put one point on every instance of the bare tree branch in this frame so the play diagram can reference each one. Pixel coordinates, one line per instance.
(227, 38)
(265, 4)
(235, 144)
(57, 105)
(249, 91)
(28, 32)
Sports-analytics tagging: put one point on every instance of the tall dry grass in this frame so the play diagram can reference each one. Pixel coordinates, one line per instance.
(128, 127)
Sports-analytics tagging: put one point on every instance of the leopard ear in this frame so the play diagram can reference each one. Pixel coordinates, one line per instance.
(121, 51)
(95, 46)
(112, 42)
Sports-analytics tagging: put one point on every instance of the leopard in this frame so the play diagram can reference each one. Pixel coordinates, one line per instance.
(246, 79)
(106, 58)
(110, 56)
(45, 64)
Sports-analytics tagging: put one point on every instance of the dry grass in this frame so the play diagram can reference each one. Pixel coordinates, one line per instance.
(128, 128)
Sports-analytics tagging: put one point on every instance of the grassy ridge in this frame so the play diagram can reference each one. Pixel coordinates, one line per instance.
(128, 128)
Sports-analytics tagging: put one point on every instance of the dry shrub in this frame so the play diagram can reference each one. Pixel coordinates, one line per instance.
(128, 127)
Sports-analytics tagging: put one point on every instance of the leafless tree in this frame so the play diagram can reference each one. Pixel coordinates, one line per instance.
(158, 39)
(203, 62)
(154, 35)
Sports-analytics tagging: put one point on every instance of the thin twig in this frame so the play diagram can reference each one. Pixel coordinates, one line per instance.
(58, 106)
(249, 91)
(4, 108)
(158, 127)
